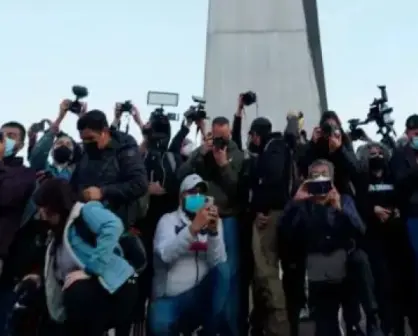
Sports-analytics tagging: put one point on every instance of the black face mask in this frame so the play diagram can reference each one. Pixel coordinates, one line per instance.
(91, 149)
(376, 163)
(253, 148)
(62, 154)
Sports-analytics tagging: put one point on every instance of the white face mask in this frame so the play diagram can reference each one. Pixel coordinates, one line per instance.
(187, 149)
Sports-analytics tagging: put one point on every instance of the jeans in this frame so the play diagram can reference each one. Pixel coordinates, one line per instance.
(7, 301)
(202, 305)
(232, 246)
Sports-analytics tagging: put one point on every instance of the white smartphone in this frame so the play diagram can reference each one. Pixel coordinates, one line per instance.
(210, 200)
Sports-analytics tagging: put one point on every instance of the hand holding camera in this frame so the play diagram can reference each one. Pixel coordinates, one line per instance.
(334, 199)
(220, 155)
(213, 223)
(303, 192)
(76, 106)
(203, 218)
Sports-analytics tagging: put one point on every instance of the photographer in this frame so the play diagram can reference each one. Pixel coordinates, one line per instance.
(190, 265)
(64, 149)
(331, 143)
(218, 161)
(180, 144)
(320, 231)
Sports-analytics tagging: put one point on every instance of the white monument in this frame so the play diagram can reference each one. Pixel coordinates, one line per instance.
(271, 47)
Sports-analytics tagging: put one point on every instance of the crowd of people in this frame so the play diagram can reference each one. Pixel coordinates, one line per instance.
(110, 233)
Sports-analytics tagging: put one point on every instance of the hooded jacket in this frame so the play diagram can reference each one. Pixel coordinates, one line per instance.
(17, 183)
(181, 260)
(104, 261)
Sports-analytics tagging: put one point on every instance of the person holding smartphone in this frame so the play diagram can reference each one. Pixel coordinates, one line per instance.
(189, 265)
(320, 231)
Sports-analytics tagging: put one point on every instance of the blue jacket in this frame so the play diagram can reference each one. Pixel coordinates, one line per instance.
(105, 260)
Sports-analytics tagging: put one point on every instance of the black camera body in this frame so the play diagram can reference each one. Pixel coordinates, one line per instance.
(196, 112)
(248, 98)
(328, 130)
(79, 92)
(220, 143)
(126, 106)
(379, 110)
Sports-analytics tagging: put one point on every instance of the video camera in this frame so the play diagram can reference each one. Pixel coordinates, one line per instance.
(79, 92)
(379, 113)
(163, 99)
(196, 112)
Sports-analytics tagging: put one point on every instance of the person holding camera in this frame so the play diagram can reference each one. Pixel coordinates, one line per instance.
(320, 231)
(331, 143)
(65, 152)
(218, 161)
(190, 266)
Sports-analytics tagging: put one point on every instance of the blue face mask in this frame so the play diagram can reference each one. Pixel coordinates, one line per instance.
(9, 147)
(414, 143)
(193, 203)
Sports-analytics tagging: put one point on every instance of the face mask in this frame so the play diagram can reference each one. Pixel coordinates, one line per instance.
(91, 148)
(9, 147)
(193, 203)
(62, 154)
(376, 163)
(414, 143)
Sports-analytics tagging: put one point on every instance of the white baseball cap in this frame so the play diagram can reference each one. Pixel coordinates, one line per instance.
(192, 181)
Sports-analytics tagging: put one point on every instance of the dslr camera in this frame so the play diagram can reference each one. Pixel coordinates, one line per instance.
(220, 143)
(248, 98)
(196, 112)
(79, 92)
(328, 129)
(126, 106)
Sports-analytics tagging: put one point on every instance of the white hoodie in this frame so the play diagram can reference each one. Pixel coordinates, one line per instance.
(181, 261)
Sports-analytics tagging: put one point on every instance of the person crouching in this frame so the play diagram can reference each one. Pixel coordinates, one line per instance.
(191, 281)
(89, 286)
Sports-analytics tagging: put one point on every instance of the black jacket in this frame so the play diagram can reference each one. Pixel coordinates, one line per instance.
(162, 167)
(120, 173)
(272, 177)
(345, 164)
(306, 227)
(404, 166)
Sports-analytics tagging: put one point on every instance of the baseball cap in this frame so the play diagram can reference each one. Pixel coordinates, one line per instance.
(192, 181)
(412, 122)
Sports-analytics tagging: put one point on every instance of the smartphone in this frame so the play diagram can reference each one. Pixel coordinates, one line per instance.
(39, 127)
(1, 136)
(210, 201)
(319, 186)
